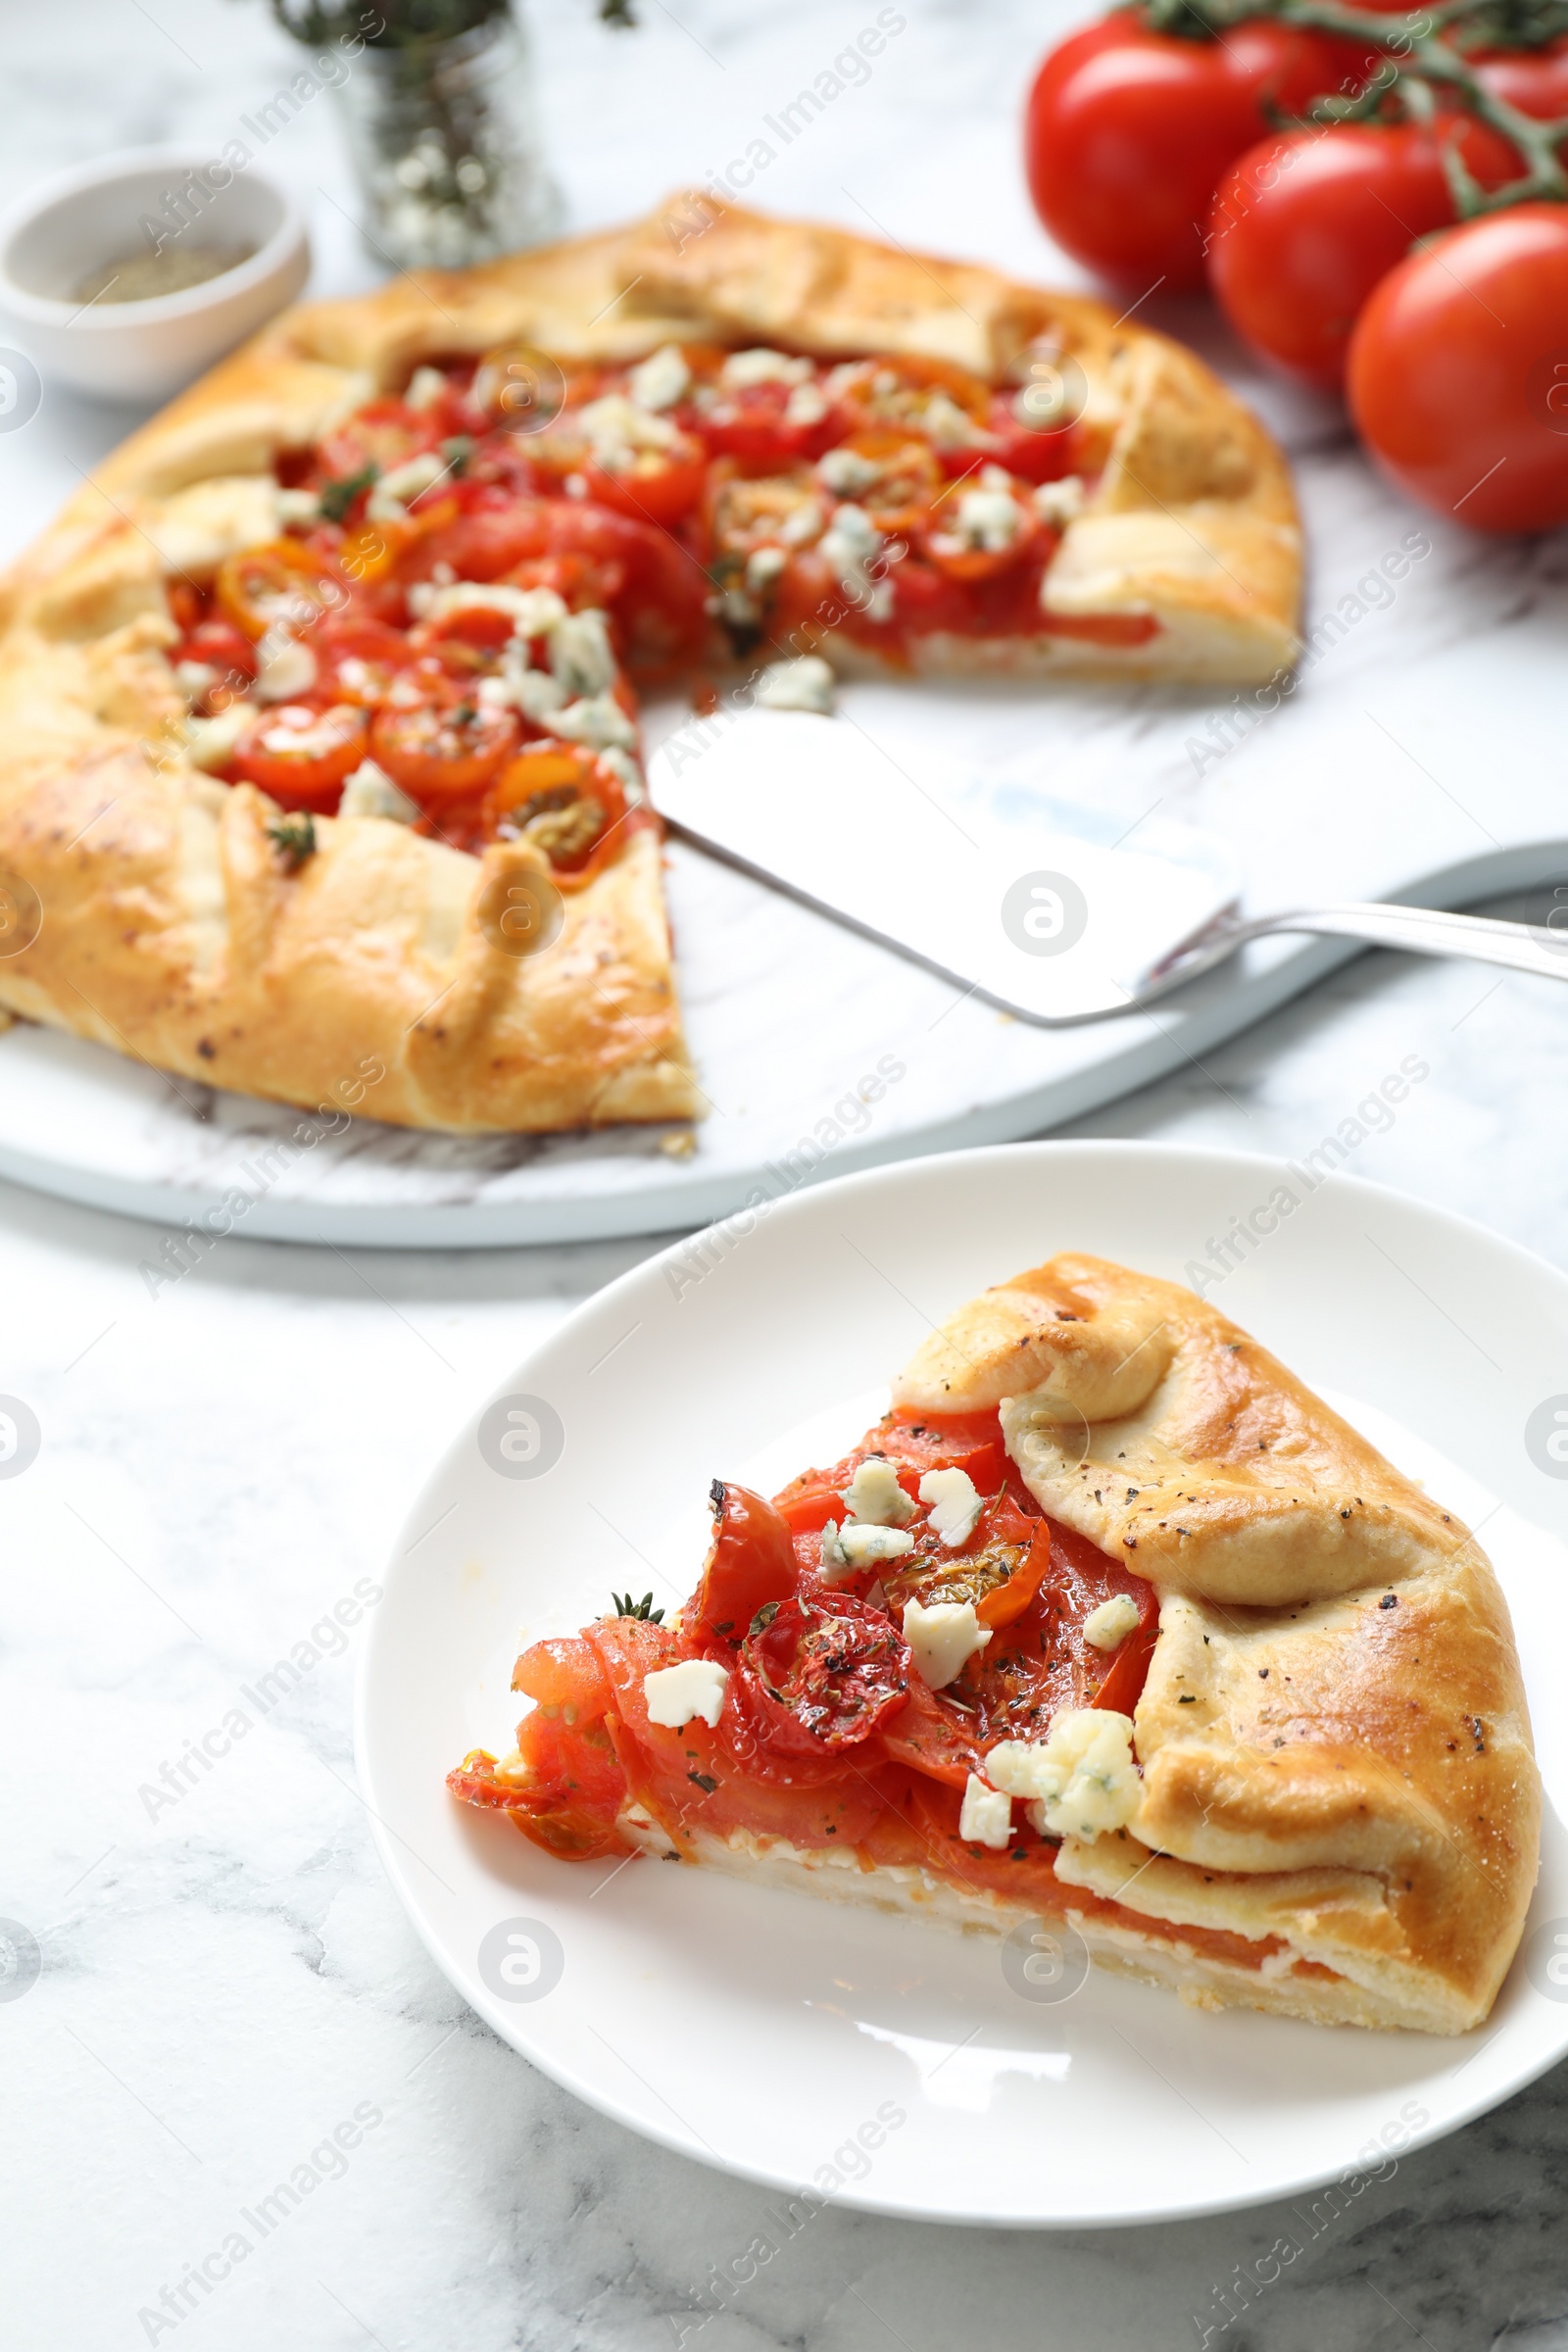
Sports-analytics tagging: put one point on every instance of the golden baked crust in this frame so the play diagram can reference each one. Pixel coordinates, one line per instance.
(1334, 1738)
(170, 932)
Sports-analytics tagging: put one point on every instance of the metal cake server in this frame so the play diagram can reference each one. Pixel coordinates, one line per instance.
(1047, 924)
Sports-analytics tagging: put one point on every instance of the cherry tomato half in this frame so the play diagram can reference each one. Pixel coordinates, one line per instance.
(223, 648)
(659, 491)
(561, 797)
(356, 661)
(282, 580)
(300, 756)
(1129, 132)
(445, 748)
(1458, 372)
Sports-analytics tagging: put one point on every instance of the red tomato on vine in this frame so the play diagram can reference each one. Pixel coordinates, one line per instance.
(1129, 131)
(1458, 372)
(1304, 225)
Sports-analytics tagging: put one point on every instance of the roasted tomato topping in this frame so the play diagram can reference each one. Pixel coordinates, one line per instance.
(750, 1564)
(301, 755)
(826, 1730)
(823, 1671)
(442, 744)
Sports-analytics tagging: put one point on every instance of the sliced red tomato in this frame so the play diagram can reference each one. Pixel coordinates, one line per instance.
(820, 1675)
(1458, 372)
(357, 659)
(659, 492)
(301, 755)
(574, 1792)
(751, 1563)
(752, 426)
(489, 531)
(1033, 456)
(564, 1670)
(932, 1735)
(221, 647)
(386, 434)
(1129, 132)
(445, 748)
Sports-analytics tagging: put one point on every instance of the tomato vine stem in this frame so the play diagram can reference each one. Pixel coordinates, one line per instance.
(1418, 58)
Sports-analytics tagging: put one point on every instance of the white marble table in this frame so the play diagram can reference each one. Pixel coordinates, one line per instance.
(225, 1978)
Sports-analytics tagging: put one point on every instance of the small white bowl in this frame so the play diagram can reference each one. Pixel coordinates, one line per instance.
(86, 218)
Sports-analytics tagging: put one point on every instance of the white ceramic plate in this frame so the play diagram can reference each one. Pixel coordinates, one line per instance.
(760, 2030)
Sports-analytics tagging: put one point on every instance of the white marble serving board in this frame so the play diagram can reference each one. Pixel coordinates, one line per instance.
(1419, 756)
(1436, 780)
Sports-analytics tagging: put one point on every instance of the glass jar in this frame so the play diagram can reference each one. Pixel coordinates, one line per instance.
(444, 138)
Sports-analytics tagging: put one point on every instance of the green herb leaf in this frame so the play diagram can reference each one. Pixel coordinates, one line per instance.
(621, 1604)
(337, 497)
(456, 453)
(762, 1620)
(293, 837)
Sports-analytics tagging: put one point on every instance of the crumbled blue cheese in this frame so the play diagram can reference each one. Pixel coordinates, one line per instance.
(955, 1503)
(210, 742)
(861, 1544)
(625, 765)
(944, 1638)
(580, 653)
(804, 684)
(326, 733)
(195, 678)
(1062, 502)
(532, 611)
(1108, 1626)
(806, 404)
(536, 693)
(744, 368)
(1081, 1780)
(621, 434)
(661, 379)
(947, 425)
(286, 669)
(800, 525)
(389, 498)
(985, 1815)
(988, 518)
(425, 387)
(846, 472)
(850, 545)
(298, 505)
(762, 567)
(370, 791)
(675, 1694)
(874, 1494)
(832, 1555)
(598, 720)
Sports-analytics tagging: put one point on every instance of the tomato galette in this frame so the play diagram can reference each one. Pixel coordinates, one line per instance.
(1111, 1622)
(321, 741)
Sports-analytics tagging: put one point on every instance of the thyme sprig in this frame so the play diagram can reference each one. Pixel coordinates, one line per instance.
(293, 837)
(621, 1604)
(1423, 52)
